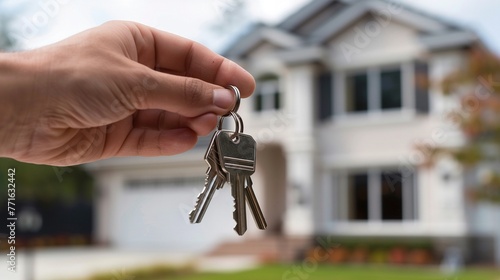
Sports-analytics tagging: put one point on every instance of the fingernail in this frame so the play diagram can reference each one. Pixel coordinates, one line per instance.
(223, 98)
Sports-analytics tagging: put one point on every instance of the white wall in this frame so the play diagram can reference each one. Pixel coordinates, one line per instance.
(367, 43)
(156, 218)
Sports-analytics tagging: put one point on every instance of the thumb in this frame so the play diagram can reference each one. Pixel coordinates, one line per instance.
(186, 96)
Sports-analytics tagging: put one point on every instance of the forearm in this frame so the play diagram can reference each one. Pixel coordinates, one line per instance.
(17, 80)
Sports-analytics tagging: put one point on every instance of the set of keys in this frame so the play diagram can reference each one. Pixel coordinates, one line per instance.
(231, 158)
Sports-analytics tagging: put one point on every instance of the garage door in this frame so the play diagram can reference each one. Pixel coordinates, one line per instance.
(153, 214)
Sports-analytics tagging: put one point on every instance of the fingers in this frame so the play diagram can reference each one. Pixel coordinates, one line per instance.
(162, 120)
(176, 55)
(186, 96)
(204, 124)
(157, 133)
(150, 142)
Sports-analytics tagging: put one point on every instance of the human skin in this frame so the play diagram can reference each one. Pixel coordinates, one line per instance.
(120, 89)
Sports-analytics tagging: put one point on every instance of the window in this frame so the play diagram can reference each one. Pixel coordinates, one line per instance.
(358, 197)
(375, 195)
(390, 89)
(373, 89)
(267, 96)
(357, 93)
(392, 196)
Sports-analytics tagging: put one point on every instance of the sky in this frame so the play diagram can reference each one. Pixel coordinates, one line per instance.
(46, 21)
(41, 22)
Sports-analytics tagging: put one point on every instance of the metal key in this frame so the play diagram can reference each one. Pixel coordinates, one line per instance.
(215, 180)
(237, 158)
(231, 157)
(257, 214)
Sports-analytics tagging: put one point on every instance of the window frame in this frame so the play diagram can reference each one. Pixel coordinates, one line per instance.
(415, 99)
(374, 77)
(268, 101)
(339, 194)
(401, 87)
(355, 74)
(374, 89)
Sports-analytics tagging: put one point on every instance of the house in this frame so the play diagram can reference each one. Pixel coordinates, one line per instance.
(343, 97)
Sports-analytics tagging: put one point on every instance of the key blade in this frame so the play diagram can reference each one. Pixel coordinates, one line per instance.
(205, 203)
(203, 199)
(239, 213)
(211, 182)
(251, 199)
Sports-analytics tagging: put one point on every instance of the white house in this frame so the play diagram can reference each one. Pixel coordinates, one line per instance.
(340, 105)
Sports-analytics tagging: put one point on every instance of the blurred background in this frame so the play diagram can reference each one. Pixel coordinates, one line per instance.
(378, 131)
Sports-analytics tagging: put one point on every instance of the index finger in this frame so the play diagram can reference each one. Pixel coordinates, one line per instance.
(180, 56)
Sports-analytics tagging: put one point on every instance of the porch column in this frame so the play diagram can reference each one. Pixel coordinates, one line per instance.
(108, 188)
(497, 237)
(300, 146)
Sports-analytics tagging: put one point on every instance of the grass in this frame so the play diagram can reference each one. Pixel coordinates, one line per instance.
(327, 272)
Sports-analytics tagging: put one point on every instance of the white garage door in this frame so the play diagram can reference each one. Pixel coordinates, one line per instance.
(154, 214)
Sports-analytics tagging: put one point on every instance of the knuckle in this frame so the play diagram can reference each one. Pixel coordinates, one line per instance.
(137, 97)
(193, 91)
(162, 120)
(141, 143)
(117, 24)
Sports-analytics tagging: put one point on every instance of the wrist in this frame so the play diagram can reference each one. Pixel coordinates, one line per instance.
(17, 83)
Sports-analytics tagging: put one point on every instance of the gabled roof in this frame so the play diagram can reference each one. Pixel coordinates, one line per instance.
(320, 20)
(307, 12)
(355, 11)
(262, 33)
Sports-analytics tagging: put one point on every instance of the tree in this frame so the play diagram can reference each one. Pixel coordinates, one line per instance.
(232, 19)
(231, 15)
(46, 184)
(6, 40)
(478, 87)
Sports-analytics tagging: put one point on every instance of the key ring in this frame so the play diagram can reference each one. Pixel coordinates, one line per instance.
(238, 100)
(238, 124)
(234, 113)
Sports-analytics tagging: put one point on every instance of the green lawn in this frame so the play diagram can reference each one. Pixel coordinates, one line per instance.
(297, 272)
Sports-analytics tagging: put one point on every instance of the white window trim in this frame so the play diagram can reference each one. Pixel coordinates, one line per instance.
(337, 209)
(374, 195)
(406, 113)
(268, 102)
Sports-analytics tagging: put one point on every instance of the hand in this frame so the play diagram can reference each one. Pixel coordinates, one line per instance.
(121, 89)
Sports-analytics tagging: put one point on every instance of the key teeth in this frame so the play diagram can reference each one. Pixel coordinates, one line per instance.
(235, 214)
(207, 179)
(235, 217)
(196, 206)
(199, 198)
(237, 231)
(191, 216)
